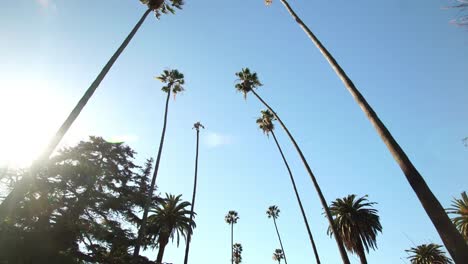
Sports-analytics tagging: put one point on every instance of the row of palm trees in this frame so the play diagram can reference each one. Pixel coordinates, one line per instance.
(183, 220)
(359, 223)
(249, 82)
(354, 219)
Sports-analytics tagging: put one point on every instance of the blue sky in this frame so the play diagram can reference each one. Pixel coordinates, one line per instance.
(404, 56)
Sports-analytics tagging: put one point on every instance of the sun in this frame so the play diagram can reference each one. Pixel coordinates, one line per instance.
(30, 113)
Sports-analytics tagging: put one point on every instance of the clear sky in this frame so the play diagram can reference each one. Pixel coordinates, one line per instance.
(404, 56)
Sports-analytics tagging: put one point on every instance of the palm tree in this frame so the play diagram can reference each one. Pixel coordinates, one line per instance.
(171, 218)
(273, 212)
(358, 224)
(174, 83)
(158, 7)
(452, 239)
(265, 122)
(237, 253)
(248, 82)
(197, 127)
(460, 209)
(428, 254)
(278, 255)
(231, 218)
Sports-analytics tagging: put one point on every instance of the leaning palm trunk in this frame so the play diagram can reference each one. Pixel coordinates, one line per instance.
(23, 186)
(300, 204)
(279, 238)
(361, 253)
(142, 230)
(189, 236)
(337, 236)
(452, 239)
(162, 246)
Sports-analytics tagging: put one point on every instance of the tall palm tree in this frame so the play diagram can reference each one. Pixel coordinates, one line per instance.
(174, 81)
(452, 239)
(171, 218)
(460, 210)
(158, 7)
(278, 255)
(231, 218)
(265, 122)
(273, 212)
(197, 127)
(237, 253)
(358, 224)
(428, 254)
(248, 82)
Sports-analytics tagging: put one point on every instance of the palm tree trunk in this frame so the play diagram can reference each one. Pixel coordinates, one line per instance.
(23, 186)
(162, 247)
(279, 238)
(232, 243)
(299, 201)
(189, 236)
(361, 253)
(142, 231)
(337, 236)
(452, 239)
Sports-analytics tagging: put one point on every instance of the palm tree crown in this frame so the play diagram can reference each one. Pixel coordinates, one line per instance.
(237, 253)
(231, 217)
(428, 254)
(278, 255)
(247, 81)
(161, 7)
(197, 126)
(460, 209)
(171, 219)
(265, 122)
(174, 81)
(273, 211)
(357, 223)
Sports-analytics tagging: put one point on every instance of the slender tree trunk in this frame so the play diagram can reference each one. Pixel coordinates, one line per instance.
(23, 186)
(162, 247)
(361, 253)
(279, 238)
(337, 236)
(189, 236)
(232, 243)
(452, 239)
(298, 200)
(142, 231)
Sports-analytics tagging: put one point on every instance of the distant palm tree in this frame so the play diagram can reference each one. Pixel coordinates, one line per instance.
(158, 7)
(248, 82)
(231, 218)
(452, 239)
(460, 210)
(273, 212)
(358, 224)
(278, 255)
(265, 122)
(171, 218)
(237, 253)
(428, 254)
(197, 127)
(174, 83)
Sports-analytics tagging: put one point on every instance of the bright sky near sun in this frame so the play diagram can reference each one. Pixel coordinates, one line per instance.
(406, 58)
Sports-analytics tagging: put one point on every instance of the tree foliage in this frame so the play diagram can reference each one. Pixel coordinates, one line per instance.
(83, 208)
(160, 7)
(460, 211)
(462, 18)
(357, 222)
(428, 254)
